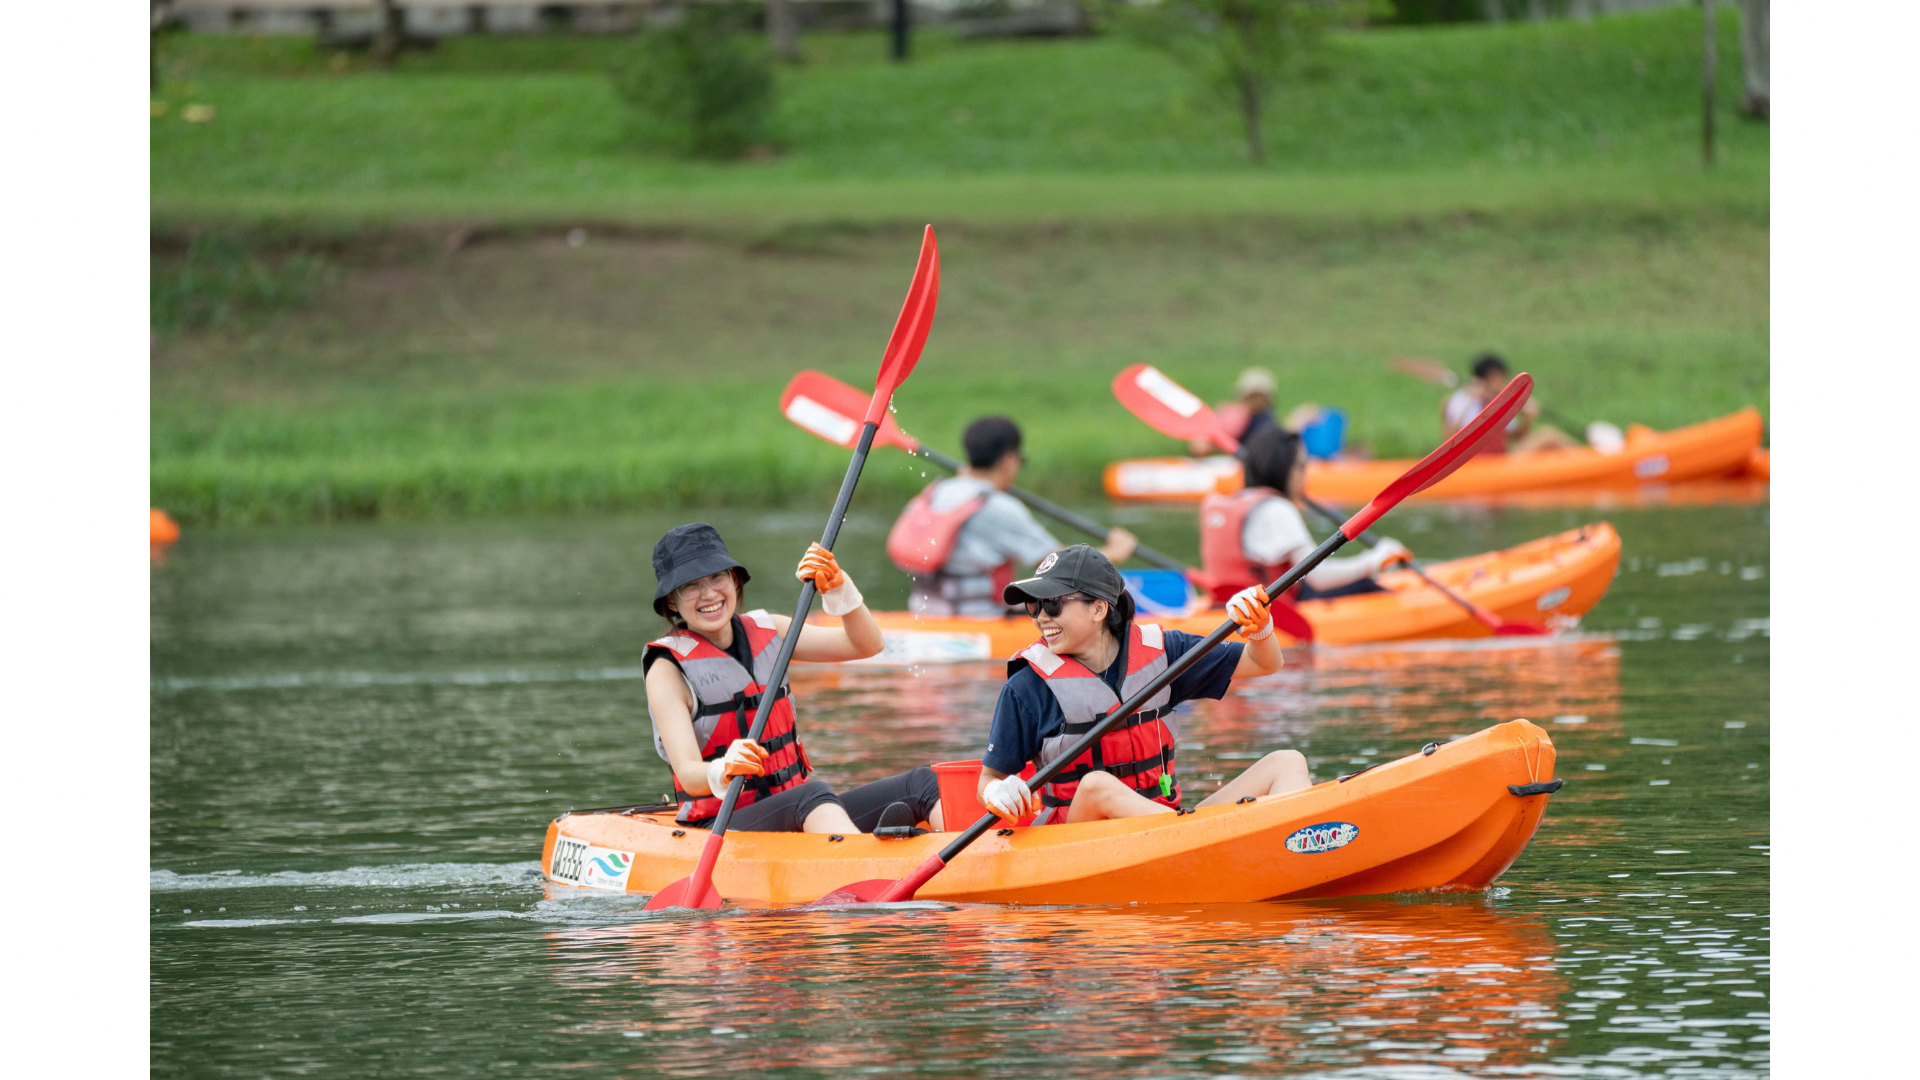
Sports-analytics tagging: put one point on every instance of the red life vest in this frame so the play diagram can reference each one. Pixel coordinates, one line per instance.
(1138, 751)
(729, 695)
(1224, 566)
(922, 538)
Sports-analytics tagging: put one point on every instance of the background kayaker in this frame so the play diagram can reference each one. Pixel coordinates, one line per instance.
(1253, 535)
(1091, 656)
(1524, 434)
(1251, 411)
(962, 537)
(702, 701)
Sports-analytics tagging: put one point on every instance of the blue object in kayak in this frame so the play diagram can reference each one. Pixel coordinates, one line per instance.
(1161, 593)
(1323, 437)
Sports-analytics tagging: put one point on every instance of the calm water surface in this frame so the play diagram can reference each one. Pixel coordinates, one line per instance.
(359, 735)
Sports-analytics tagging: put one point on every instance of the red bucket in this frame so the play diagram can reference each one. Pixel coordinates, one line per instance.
(959, 798)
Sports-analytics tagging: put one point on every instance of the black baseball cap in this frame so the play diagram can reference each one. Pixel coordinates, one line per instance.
(689, 553)
(1078, 568)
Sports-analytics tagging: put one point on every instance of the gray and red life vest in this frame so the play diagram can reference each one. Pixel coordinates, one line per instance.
(1224, 566)
(922, 539)
(1138, 751)
(729, 696)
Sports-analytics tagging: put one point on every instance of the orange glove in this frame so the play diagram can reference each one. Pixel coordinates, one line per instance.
(819, 565)
(744, 758)
(1249, 610)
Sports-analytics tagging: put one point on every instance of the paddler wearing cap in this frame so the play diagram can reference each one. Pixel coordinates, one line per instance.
(703, 700)
(1092, 656)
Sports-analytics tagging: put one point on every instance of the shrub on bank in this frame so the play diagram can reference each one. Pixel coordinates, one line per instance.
(701, 87)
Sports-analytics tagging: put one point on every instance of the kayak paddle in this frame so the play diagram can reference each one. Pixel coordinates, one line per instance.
(1424, 474)
(1171, 409)
(1600, 435)
(903, 352)
(825, 406)
(1499, 626)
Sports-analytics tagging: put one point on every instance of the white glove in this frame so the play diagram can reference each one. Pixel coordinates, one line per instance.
(1010, 798)
(842, 599)
(1386, 551)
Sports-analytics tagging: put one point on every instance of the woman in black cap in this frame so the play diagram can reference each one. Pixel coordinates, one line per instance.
(704, 699)
(1092, 656)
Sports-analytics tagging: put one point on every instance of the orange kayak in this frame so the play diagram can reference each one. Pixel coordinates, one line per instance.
(1449, 819)
(1551, 581)
(162, 529)
(1720, 447)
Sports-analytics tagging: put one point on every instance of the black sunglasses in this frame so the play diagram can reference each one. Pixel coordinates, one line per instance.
(1052, 604)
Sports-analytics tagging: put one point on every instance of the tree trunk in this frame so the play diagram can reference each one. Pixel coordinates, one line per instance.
(1709, 68)
(386, 39)
(1753, 57)
(1250, 115)
(783, 30)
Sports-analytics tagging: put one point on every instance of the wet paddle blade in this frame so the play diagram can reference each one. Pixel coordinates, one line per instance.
(831, 409)
(1517, 629)
(860, 892)
(910, 330)
(678, 894)
(1169, 408)
(1452, 454)
(1432, 371)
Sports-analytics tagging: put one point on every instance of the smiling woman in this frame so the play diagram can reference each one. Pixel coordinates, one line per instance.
(720, 661)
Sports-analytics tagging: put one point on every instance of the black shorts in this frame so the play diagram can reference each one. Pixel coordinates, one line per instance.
(788, 810)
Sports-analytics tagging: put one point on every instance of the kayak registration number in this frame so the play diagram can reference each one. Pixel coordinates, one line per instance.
(576, 862)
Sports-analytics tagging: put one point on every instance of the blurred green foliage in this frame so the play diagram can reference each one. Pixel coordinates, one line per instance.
(702, 86)
(220, 277)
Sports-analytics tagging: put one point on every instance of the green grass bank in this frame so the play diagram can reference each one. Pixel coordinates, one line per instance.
(1533, 189)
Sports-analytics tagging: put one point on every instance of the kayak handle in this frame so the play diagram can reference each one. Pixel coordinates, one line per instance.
(1544, 787)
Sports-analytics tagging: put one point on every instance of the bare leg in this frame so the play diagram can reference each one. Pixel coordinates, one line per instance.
(829, 818)
(936, 820)
(1101, 796)
(1276, 774)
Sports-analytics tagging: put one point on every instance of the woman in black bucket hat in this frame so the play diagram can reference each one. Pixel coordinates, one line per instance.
(704, 699)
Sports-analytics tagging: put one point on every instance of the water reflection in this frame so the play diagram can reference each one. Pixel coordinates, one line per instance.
(1327, 984)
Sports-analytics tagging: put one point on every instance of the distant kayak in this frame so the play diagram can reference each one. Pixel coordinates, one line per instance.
(1452, 817)
(1552, 581)
(162, 530)
(1721, 447)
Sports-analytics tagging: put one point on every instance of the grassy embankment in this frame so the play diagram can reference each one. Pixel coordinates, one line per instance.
(1528, 188)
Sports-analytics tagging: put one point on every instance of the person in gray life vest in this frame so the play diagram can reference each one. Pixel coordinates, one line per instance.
(719, 660)
(1091, 657)
(962, 537)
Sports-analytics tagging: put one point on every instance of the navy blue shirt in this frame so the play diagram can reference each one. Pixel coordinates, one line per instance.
(1028, 713)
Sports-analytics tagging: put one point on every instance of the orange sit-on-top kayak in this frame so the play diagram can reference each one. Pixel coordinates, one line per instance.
(1551, 581)
(1453, 816)
(1722, 447)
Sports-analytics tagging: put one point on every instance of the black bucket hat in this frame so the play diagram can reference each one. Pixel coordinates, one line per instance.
(1078, 568)
(689, 553)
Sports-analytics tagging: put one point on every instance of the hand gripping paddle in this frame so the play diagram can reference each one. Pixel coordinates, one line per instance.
(1425, 473)
(826, 407)
(903, 352)
(1170, 409)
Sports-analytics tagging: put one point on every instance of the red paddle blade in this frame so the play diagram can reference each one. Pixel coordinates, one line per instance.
(1169, 408)
(860, 892)
(679, 894)
(1520, 629)
(1452, 454)
(833, 410)
(910, 330)
(1432, 371)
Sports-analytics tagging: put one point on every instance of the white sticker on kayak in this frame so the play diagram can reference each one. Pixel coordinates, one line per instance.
(901, 647)
(1553, 598)
(1325, 836)
(577, 862)
(1649, 467)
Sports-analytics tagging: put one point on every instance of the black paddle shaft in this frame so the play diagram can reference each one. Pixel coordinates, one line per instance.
(771, 690)
(1133, 704)
(1058, 513)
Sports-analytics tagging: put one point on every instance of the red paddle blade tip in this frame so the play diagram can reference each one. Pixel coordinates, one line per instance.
(1452, 454)
(678, 894)
(1516, 629)
(910, 329)
(860, 892)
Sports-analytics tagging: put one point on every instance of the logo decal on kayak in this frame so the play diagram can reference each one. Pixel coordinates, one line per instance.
(1553, 598)
(1046, 564)
(1325, 836)
(590, 866)
(1649, 467)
